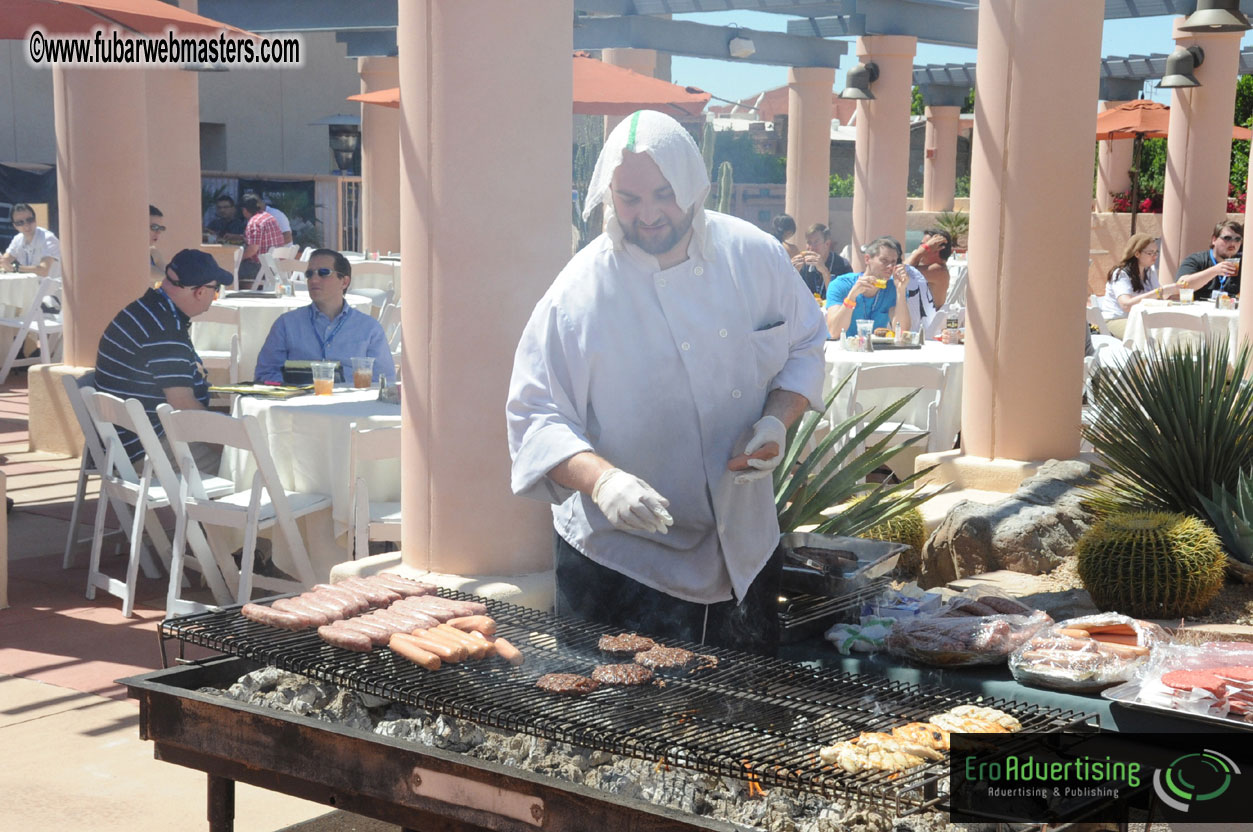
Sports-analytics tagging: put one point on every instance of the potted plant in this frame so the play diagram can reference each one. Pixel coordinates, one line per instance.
(956, 223)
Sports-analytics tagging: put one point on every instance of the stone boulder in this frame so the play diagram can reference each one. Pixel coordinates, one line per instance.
(1033, 530)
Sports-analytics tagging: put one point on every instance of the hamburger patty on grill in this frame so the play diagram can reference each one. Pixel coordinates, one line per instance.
(566, 683)
(626, 644)
(622, 674)
(665, 657)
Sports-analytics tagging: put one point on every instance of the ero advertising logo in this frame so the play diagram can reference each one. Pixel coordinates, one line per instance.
(1194, 778)
(1057, 778)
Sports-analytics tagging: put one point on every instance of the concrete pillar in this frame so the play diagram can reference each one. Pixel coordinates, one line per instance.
(173, 110)
(459, 335)
(1030, 204)
(881, 171)
(1113, 167)
(643, 61)
(939, 166)
(102, 189)
(806, 197)
(1246, 271)
(380, 158)
(1198, 149)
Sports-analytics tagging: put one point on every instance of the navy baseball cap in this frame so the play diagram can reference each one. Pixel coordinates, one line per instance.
(198, 268)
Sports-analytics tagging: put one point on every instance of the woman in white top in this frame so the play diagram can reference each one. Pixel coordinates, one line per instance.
(1133, 279)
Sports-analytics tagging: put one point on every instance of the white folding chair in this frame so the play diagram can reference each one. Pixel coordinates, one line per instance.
(1158, 319)
(905, 377)
(91, 463)
(144, 492)
(264, 505)
(371, 520)
(1095, 317)
(238, 258)
(376, 280)
(218, 359)
(45, 326)
(389, 319)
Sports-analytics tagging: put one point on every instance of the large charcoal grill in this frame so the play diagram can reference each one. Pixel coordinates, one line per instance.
(748, 718)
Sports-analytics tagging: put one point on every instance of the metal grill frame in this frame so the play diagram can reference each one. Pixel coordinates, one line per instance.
(750, 718)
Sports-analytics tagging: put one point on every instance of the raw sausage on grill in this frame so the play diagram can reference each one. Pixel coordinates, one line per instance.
(345, 638)
(275, 618)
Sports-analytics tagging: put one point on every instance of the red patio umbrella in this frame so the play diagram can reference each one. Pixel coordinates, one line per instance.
(1140, 120)
(601, 89)
(79, 17)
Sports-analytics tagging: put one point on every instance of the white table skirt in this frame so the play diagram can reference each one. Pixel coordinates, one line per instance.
(1223, 324)
(309, 440)
(257, 316)
(841, 362)
(17, 291)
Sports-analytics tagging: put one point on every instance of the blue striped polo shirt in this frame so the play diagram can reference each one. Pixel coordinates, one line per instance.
(146, 349)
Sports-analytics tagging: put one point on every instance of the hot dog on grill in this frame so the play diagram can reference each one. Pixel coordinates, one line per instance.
(479, 623)
(405, 645)
(477, 647)
(447, 652)
(508, 652)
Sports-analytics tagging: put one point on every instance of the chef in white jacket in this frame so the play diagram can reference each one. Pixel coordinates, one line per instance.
(669, 349)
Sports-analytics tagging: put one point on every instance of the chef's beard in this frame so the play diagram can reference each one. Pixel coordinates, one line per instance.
(664, 243)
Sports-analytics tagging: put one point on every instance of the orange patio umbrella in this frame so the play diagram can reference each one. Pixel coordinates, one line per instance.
(1140, 120)
(1143, 119)
(601, 89)
(79, 17)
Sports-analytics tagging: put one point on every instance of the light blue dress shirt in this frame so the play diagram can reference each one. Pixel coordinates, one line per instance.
(305, 334)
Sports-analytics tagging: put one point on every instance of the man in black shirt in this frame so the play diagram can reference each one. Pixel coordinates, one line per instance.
(146, 352)
(819, 262)
(1218, 268)
(228, 225)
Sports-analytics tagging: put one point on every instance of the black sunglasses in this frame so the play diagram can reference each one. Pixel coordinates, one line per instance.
(156, 227)
(25, 222)
(213, 286)
(320, 272)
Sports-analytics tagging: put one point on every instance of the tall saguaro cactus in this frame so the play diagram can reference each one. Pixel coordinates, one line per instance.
(726, 183)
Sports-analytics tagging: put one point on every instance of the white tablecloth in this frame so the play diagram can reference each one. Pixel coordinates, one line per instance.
(17, 290)
(1223, 324)
(257, 315)
(841, 362)
(309, 439)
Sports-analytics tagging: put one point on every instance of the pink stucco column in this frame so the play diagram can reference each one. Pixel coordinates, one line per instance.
(465, 189)
(1113, 167)
(380, 158)
(806, 195)
(881, 172)
(939, 166)
(173, 124)
(1030, 204)
(1198, 149)
(102, 193)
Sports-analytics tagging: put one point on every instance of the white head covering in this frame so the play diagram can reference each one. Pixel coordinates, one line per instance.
(674, 151)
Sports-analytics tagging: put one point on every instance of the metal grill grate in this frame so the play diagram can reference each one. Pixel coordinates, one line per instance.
(749, 718)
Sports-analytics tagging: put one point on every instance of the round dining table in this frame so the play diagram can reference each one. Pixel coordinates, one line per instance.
(309, 439)
(1221, 325)
(842, 362)
(257, 315)
(17, 291)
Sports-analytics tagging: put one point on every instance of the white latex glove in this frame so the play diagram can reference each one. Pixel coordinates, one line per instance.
(630, 503)
(766, 429)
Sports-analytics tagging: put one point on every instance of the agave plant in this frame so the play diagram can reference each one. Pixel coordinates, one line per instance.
(1231, 515)
(1171, 424)
(831, 475)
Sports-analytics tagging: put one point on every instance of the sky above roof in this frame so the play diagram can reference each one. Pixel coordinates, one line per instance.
(735, 81)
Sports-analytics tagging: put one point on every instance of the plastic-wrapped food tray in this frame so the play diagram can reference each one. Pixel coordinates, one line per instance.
(1128, 694)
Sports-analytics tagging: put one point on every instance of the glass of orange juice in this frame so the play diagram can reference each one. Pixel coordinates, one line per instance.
(323, 377)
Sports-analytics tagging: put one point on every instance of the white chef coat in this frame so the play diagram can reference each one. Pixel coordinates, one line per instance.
(43, 244)
(663, 373)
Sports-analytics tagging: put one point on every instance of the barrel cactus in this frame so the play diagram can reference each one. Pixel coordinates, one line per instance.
(907, 528)
(1151, 564)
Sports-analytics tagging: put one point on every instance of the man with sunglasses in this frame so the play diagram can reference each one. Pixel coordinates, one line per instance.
(146, 351)
(35, 250)
(1218, 268)
(327, 329)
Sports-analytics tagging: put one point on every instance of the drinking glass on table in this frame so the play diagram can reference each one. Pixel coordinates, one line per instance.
(865, 328)
(1185, 294)
(363, 373)
(323, 377)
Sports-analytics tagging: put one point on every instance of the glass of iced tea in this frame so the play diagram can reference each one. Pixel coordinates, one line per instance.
(363, 373)
(323, 377)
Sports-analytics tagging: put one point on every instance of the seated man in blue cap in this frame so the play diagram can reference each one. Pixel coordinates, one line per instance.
(328, 329)
(146, 352)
